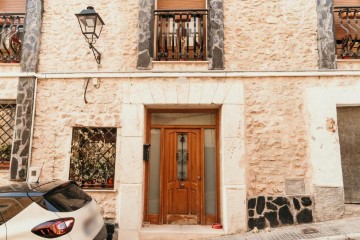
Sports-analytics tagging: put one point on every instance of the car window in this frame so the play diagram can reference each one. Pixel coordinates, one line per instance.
(10, 207)
(66, 199)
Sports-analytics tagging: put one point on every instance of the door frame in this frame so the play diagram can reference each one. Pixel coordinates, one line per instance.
(158, 218)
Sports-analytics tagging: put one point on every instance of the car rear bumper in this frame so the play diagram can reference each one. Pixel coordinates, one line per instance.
(102, 235)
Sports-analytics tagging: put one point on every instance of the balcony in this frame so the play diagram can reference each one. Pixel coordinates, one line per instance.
(180, 35)
(347, 31)
(11, 37)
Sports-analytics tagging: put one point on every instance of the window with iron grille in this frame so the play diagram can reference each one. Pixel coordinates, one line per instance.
(7, 121)
(93, 153)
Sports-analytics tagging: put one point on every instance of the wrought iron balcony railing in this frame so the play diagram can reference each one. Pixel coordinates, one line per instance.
(347, 31)
(180, 34)
(11, 37)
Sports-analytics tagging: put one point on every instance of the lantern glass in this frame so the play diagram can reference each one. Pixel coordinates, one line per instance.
(90, 23)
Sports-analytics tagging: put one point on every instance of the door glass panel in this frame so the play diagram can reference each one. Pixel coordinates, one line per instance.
(154, 176)
(183, 119)
(210, 171)
(182, 156)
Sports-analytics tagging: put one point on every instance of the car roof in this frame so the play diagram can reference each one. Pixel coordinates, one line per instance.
(22, 187)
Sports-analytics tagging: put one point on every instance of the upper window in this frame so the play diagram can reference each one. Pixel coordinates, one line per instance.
(347, 28)
(93, 154)
(180, 30)
(12, 19)
(7, 121)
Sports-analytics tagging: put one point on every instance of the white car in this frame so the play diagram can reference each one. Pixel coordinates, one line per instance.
(52, 210)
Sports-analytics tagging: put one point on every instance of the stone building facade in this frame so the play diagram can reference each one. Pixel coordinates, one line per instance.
(271, 78)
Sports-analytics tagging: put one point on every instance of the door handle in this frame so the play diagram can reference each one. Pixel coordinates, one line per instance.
(199, 177)
(182, 185)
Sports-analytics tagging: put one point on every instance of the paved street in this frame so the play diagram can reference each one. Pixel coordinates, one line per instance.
(341, 229)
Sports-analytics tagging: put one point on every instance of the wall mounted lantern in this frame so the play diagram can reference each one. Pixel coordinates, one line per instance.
(91, 25)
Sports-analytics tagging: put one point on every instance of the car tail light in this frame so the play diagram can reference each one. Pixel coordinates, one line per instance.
(54, 228)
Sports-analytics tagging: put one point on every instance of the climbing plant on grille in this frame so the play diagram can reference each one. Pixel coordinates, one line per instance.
(93, 154)
(7, 121)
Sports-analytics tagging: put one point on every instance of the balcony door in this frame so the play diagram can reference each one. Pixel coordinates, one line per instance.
(180, 30)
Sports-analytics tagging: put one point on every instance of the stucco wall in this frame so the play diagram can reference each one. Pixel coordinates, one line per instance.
(272, 35)
(277, 130)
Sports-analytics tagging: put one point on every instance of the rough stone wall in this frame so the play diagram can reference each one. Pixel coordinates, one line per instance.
(276, 134)
(25, 91)
(59, 107)
(66, 50)
(216, 34)
(22, 132)
(271, 35)
(146, 31)
(31, 46)
(326, 34)
(278, 211)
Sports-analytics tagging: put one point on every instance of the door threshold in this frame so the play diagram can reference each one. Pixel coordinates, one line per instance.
(171, 231)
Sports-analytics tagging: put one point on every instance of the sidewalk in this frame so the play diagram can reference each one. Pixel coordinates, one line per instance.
(340, 229)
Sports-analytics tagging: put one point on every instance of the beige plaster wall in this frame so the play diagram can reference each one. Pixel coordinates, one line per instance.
(59, 107)
(271, 35)
(64, 49)
(348, 64)
(277, 137)
(9, 67)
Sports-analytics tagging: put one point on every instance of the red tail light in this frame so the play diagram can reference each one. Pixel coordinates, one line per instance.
(54, 228)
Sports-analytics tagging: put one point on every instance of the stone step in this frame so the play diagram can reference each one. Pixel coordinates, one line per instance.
(179, 232)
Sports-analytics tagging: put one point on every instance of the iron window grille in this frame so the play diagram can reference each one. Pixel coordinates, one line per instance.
(7, 121)
(11, 36)
(180, 34)
(93, 154)
(347, 31)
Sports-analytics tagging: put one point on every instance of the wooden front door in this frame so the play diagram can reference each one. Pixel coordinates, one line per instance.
(182, 179)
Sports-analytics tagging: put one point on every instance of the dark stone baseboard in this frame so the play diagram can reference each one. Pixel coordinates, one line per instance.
(278, 211)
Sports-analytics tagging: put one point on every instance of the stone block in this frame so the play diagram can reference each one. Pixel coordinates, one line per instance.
(131, 160)
(130, 207)
(232, 121)
(235, 95)
(329, 203)
(233, 162)
(195, 91)
(208, 92)
(132, 120)
(234, 207)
